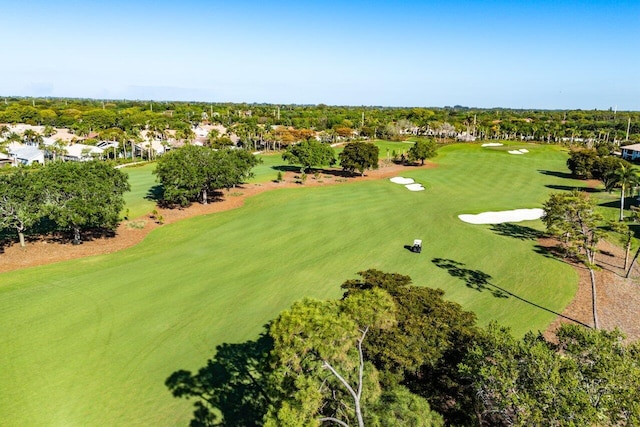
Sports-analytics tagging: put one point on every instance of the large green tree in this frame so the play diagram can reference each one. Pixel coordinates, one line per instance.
(20, 201)
(423, 348)
(321, 373)
(309, 153)
(582, 162)
(587, 378)
(193, 172)
(422, 149)
(83, 195)
(359, 156)
(320, 369)
(573, 219)
(312, 367)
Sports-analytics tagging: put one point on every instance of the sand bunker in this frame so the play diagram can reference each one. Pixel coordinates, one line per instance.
(520, 151)
(492, 144)
(516, 215)
(407, 182)
(401, 180)
(414, 187)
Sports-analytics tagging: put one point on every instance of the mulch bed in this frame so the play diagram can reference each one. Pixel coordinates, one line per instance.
(618, 299)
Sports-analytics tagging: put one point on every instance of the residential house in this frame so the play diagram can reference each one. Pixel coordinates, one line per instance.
(631, 152)
(25, 154)
(81, 152)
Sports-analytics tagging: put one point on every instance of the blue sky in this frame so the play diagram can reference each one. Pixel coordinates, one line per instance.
(494, 53)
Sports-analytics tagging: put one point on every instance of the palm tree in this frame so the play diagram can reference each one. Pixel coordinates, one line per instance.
(58, 148)
(29, 136)
(625, 177)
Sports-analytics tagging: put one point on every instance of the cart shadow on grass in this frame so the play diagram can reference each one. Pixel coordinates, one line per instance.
(481, 282)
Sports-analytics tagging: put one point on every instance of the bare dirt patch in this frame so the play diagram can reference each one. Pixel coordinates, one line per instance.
(618, 299)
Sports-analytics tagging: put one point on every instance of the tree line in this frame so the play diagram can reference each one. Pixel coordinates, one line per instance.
(72, 197)
(256, 124)
(391, 353)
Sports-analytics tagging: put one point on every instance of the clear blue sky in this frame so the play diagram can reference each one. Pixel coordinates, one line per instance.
(494, 53)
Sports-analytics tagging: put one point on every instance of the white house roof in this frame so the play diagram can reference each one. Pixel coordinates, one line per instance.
(633, 147)
(27, 153)
(156, 145)
(76, 150)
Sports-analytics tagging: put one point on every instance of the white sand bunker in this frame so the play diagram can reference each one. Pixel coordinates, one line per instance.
(414, 187)
(515, 152)
(407, 182)
(492, 144)
(516, 215)
(401, 180)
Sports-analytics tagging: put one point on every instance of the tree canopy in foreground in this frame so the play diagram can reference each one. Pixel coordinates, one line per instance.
(389, 353)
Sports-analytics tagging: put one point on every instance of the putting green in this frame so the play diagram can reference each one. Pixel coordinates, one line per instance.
(91, 341)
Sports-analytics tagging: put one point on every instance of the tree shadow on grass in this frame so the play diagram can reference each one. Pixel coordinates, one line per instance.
(474, 279)
(628, 202)
(556, 252)
(480, 281)
(573, 187)
(516, 231)
(557, 174)
(231, 388)
(286, 168)
(155, 193)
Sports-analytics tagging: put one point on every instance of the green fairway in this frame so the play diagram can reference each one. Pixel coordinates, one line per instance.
(268, 169)
(90, 342)
(139, 201)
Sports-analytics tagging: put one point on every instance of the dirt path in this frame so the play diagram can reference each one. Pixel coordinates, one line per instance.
(618, 299)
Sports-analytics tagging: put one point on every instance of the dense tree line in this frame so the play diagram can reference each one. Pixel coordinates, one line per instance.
(255, 123)
(62, 196)
(389, 353)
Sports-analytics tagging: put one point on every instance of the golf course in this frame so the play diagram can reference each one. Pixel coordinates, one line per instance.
(90, 342)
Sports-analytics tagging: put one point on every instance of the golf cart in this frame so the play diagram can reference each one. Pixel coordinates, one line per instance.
(417, 246)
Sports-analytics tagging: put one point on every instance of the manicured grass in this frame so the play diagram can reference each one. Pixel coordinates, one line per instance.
(272, 163)
(268, 169)
(90, 342)
(140, 200)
